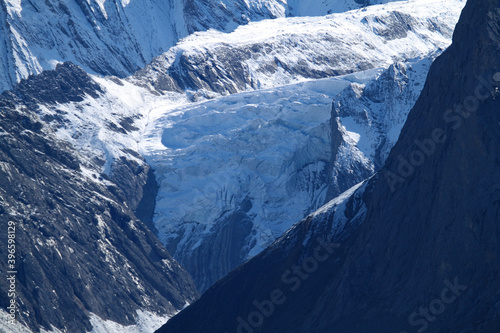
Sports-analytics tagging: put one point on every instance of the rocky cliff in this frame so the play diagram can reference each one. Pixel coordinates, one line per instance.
(81, 251)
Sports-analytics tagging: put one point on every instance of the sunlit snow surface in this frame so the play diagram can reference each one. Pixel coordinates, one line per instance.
(146, 322)
(109, 36)
(276, 52)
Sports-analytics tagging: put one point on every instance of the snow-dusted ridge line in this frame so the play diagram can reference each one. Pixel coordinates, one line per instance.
(272, 53)
(342, 198)
(105, 37)
(119, 37)
(273, 28)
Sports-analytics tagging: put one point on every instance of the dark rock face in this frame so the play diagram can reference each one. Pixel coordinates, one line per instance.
(80, 247)
(225, 246)
(425, 257)
(145, 208)
(67, 83)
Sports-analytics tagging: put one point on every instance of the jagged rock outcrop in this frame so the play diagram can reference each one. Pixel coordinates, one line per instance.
(367, 120)
(80, 249)
(424, 255)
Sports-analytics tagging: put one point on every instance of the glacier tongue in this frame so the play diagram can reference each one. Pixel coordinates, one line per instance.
(264, 154)
(236, 172)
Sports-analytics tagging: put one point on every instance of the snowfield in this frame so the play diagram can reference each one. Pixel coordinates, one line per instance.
(147, 322)
(272, 53)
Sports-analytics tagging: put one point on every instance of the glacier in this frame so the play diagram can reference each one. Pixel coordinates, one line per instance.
(265, 157)
(237, 168)
(258, 159)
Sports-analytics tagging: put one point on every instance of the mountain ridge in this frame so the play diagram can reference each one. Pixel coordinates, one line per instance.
(113, 37)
